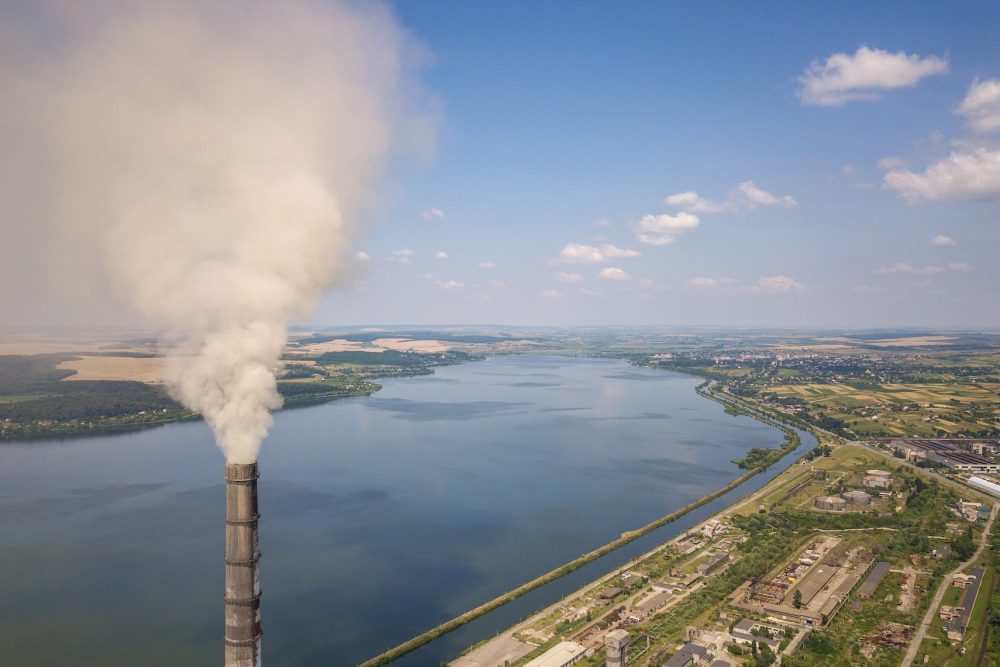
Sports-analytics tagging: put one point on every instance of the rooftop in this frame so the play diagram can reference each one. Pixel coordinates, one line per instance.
(561, 654)
(874, 579)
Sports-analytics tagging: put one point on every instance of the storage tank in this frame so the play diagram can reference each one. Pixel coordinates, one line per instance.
(830, 503)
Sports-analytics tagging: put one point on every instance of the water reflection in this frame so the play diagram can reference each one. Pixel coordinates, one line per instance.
(381, 516)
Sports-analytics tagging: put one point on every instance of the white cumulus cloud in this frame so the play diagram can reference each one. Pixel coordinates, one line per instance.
(941, 239)
(664, 228)
(843, 78)
(450, 284)
(973, 174)
(362, 256)
(551, 294)
(487, 265)
(568, 277)
(981, 106)
(440, 254)
(613, 273)
(580, 253)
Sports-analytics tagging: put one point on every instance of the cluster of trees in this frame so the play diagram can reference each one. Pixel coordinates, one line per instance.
(758, 457)
(819, 450)
(88, 400)
(761, 654)
(392, 358)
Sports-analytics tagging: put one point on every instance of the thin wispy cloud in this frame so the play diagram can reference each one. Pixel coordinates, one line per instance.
(568, 277)
(487, 265)
(844, 78)
(903, 267)
(744, 197)
(433, 214)
(780, 284)
(703, 281)
(403, 256)
(450, 285)
(942, 240)
(362, 256)
(580, 253)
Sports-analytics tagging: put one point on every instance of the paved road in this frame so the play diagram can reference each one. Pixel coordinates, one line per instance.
(918, 638)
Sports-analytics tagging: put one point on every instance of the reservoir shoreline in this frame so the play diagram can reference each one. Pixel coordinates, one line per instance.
(792, 442)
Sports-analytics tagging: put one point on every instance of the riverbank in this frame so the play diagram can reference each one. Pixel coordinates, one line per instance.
(792, 441)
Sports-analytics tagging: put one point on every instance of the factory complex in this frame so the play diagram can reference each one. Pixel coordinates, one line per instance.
(962, 455)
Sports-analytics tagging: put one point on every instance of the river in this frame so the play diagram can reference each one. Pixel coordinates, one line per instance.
(382, 516)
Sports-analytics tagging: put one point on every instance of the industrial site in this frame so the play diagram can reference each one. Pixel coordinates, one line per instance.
(839, 555)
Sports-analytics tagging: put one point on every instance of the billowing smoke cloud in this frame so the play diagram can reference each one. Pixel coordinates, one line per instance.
(221, 155)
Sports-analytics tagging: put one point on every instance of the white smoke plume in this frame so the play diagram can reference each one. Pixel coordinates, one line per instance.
(220, 154)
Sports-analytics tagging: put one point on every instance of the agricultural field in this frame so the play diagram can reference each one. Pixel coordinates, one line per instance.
(902, 409)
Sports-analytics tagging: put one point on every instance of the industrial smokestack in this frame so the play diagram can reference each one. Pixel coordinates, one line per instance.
(242, 577)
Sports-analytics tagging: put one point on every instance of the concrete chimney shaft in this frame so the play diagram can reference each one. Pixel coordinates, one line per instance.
(242, 556)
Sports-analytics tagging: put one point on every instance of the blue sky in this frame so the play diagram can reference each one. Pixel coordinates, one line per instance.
(569, 122)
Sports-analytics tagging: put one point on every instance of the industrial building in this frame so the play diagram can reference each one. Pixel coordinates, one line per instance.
(856, 498)
(824, 586)
(877, 479)
(713, 563)
(956, 619)
(690, 654)
(743, 633)
(562, 654)
(954, 454)
(616, 648)
(875, 578)
(690, 580)
(830, 503)
(611, 593)
(986, 485)
(654, 602)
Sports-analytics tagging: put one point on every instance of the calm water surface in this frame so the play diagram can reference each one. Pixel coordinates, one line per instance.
(381, 516)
